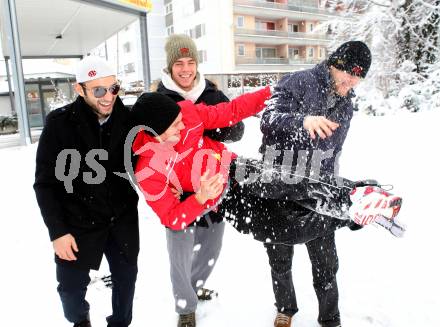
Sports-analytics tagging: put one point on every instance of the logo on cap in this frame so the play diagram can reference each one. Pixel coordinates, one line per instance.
(357, 70)
(184, 51)
(92, 73)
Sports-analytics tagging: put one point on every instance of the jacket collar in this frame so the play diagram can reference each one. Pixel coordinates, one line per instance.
(193, 94)
(87, 123)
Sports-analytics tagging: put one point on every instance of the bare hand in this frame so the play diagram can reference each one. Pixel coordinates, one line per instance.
(210, 188)
(63, 247)
(176, 193)
(320, 125)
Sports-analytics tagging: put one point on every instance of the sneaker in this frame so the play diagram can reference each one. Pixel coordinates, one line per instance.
(187, 320)
(84, 323)
(204, 294)
(282, 320)
(370, 202)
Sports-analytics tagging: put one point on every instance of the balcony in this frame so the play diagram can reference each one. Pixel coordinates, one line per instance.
(274, 61)
(260, 61)
(292, 9)
(276, 37)
(295, 35)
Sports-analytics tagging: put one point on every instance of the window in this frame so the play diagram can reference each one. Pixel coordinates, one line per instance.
(293, 53)
(310, 53)
(293, 28)
(129, 68)
(240, 21)
(170, 30)
(198, 31)
(168, 8)
(321, 53)
(311, 27)
(202, 56)
(266, 52)
(196, 5)
(265, 26)
(126, 47)
(241, 50)
(270, 26)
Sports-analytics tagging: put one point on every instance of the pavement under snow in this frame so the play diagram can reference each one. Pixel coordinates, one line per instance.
(383, 281)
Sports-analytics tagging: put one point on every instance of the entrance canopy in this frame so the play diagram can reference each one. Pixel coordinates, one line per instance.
(67, 28)
(62, 28)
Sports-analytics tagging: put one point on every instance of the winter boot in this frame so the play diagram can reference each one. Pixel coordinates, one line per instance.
(187, 320)
(282, 320)
(204, 294)
(371, 202)
(84, 323)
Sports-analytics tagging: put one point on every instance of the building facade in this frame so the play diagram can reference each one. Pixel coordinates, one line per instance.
(236, 39)
(252, 36)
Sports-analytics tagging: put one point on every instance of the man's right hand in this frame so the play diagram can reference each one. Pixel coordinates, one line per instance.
(64, 247)
(210, 188)
(320, 125)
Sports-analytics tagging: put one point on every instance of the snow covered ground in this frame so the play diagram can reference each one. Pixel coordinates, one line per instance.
(383, 281)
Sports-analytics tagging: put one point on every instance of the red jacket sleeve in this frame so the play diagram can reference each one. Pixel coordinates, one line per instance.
(230, 113)
(172, 213)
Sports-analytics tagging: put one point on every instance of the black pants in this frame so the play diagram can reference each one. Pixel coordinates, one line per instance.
(324, 260)
(73, 283)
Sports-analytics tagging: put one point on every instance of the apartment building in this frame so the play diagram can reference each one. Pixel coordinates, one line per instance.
(252, 36)
(234, 37)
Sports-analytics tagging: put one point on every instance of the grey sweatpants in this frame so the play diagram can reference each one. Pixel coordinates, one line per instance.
(193, 253)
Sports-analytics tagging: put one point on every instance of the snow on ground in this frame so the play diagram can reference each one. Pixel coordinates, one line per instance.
(383, 281)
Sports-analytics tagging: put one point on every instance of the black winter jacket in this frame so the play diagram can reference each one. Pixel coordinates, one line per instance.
(92, 212)
(297, 95)
(301, 94)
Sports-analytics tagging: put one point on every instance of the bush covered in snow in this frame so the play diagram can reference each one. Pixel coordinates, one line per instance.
(404, 39)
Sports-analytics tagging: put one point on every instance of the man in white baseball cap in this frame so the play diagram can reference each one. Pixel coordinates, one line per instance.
(97, 84)
(97, 215)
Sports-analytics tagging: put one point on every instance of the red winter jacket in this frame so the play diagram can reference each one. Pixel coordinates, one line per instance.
(162, 165)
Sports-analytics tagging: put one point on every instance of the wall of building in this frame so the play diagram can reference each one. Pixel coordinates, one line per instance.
(216, 17)
(249, 21)
(124, 50)
(5, 105)
(156, 38)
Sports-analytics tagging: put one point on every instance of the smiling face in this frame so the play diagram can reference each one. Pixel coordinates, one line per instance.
(343, 82)
(103, 107)
(184, 72)
(172, 134)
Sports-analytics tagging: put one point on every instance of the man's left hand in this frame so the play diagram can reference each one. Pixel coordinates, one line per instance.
(319, 125)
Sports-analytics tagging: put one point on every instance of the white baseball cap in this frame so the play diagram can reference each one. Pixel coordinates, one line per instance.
(91, 68)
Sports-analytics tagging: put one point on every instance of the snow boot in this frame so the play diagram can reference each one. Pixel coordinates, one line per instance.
(282, 320)
(84, 323)
(204, 294)
(187, 320)
(371, 202)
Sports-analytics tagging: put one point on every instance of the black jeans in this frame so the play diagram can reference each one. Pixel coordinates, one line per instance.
(324, 260)
(73, 283)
